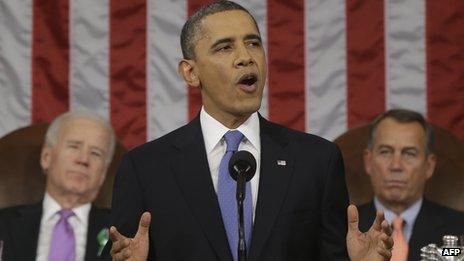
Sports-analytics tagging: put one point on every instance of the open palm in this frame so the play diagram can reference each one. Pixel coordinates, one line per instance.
(375, 244)
(133, 249)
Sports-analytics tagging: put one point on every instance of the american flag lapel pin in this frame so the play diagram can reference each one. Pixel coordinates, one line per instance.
(281, 163)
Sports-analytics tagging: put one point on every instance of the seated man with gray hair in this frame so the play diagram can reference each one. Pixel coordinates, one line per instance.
(78, 149)
(399, 159)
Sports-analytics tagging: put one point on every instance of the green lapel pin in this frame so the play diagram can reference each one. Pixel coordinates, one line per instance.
(102, 238)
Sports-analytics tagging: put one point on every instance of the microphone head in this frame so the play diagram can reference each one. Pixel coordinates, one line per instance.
(242, 162)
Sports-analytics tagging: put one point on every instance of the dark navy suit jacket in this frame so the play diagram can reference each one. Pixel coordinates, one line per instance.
(432, 223)
(20, 226)
(300, 212)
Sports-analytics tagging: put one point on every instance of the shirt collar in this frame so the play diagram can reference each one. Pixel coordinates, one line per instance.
(51, 207)
(213, 130)
(409, 215)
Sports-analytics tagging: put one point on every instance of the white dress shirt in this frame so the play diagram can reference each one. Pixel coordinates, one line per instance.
(50, 217)
(213, 135)
(409, 215)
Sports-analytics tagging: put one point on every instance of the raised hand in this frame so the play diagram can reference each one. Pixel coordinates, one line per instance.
(375, 244)
(133, 249)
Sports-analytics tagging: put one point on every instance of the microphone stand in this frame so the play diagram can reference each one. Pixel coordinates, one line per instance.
(241, 182)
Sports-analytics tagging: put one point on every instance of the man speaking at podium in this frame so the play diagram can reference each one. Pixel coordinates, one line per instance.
(296, 204)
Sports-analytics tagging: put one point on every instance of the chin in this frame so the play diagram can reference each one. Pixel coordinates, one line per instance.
(77, 188)
(396, 198)
(251, 107)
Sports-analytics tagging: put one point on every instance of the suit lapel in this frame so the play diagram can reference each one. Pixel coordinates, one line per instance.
(274, 180)
(26, 232)
(98, 220)
(194, 179)
(366, 216)
(426, 223)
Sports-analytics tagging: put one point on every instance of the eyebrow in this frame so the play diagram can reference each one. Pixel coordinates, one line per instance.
(383, 146)
(253, 37)
(73, 142)
(410, 148)
(231, 39)
(222, 41)
(93, 147)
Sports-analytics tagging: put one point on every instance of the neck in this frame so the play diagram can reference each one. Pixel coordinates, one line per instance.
(66, 200)
(397, 207)
(229, 120)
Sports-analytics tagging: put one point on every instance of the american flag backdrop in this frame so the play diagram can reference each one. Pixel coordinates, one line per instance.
(333, 64)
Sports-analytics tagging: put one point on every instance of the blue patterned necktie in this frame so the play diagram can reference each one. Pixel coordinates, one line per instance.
(227, 196)
(63, 244)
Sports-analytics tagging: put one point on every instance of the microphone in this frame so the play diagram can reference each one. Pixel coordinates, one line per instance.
(242, 161)
(242, 168)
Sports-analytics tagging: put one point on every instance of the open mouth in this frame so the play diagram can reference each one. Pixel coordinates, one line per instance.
(248, 79)
(247, 82)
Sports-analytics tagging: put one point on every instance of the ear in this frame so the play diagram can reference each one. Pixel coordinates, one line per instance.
(367, 157)
(46, 157)
(431, 163)
(186, 69)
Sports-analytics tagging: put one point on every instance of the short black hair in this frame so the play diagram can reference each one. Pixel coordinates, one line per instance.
(404, 116)
(192, 27)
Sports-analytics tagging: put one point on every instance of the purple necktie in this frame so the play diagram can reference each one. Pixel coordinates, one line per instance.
(227, 200)
(63, 244)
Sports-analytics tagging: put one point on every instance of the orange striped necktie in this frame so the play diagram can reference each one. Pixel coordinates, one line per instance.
(400, 247)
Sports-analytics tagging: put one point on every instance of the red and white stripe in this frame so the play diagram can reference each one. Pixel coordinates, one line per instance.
(332, 64)
(89, 55)
(326, 83)
(167, 93)
(405, 55)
